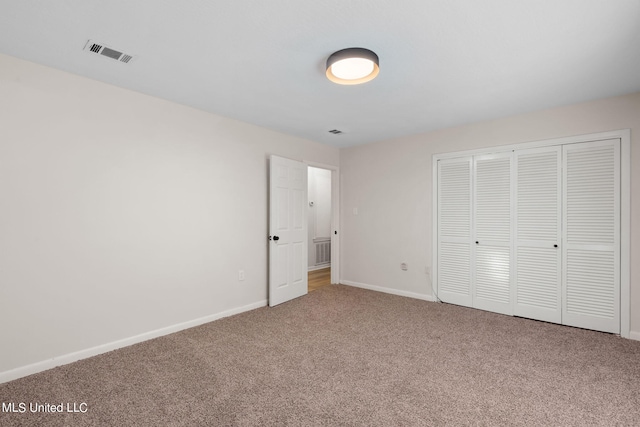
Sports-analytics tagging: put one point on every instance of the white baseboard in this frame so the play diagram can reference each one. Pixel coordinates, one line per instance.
(319, 267)
(44, 365)
(634, 335)
(388, 290)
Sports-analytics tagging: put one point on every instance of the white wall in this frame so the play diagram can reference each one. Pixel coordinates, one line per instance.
(122, 214)
(319, 215)
(390, 185)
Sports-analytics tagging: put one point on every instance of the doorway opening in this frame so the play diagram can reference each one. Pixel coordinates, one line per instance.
(320, 227)
(289, 229)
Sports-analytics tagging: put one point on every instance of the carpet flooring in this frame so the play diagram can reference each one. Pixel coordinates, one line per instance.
(349, 357)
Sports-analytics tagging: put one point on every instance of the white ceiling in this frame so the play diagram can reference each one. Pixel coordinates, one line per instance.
(442, 63)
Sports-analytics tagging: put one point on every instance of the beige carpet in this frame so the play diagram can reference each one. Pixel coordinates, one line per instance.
(347, 356)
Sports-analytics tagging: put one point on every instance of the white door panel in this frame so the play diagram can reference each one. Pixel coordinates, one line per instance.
(591, 241)
(538, 284)
(492, 285)
(454, 231)
(538, 227)
(454, 282)
(287, 230)
(491, 256)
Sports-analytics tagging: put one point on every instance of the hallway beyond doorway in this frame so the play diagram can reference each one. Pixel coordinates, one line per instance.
(319, 278)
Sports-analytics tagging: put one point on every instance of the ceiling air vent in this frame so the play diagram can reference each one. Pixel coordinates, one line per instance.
(335, 131)
(108, 52)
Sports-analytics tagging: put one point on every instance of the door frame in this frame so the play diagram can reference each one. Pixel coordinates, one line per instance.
(335, 217)
(625, 206)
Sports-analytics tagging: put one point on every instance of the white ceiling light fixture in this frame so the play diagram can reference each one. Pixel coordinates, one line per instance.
(352, 66)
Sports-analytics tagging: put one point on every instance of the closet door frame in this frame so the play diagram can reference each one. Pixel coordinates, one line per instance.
(625, 206)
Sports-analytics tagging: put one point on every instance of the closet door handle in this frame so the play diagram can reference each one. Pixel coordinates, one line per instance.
(477, 242)
(555, 246)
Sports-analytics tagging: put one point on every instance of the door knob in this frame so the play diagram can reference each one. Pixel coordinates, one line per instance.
(276, 238)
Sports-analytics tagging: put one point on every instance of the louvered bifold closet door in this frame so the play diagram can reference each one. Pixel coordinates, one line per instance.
(492, 240)
(537, 234)
(591, 244)
(454, 231)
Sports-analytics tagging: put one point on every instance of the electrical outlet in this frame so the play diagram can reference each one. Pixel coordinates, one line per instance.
(427, 271)
(240, 275)
(404, 266)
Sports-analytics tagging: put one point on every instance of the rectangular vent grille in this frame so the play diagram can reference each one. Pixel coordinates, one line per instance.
(323, 252)
(108, 52)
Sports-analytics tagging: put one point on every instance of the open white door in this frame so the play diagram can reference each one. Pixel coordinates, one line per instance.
(287, 230)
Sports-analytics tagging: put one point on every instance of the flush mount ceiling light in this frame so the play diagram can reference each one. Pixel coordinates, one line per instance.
(352, 66)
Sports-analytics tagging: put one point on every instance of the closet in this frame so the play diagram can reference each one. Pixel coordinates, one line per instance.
(532, 232)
